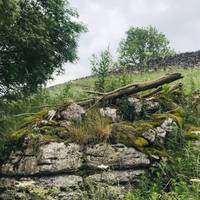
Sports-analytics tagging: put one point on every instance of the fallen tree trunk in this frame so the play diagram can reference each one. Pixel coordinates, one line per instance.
(123, 91)
(135, 88)
(156, 91)
(132, 89)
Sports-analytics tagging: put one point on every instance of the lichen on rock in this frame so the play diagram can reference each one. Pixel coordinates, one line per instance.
(61, 153)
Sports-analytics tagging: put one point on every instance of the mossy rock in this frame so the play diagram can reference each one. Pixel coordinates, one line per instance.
(192, 132)
(153, 151)
(191, 127)
(142, 126)
(158, 119)
(27, 190)
(34, 118)
(167, 103)
(21, 133)
(53, 131)
(178, 115)
(128, 134)
(35, 137)
(192, 136)
(140, 142)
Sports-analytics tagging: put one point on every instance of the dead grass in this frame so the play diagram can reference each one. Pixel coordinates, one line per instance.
(94, 128)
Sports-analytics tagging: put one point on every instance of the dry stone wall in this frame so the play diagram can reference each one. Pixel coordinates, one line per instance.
(62, 170)
(70, 169)
(188, 59)
(185, 60)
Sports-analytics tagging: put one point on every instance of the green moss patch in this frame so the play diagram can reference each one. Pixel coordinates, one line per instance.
(34, 118)
(130, 134)
(153, 151)
(192, 132)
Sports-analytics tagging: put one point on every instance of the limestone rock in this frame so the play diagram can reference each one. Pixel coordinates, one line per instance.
(51, 115)
(105, 191)
(57, 157)
(73, 112)
(161, 131)
(49, 158)
(136, 103)
(57, 187)
(115, 177)
(168, 125)
(110, 112)
(151, 105)
(150, 135)
(62, 181)
(115, 156)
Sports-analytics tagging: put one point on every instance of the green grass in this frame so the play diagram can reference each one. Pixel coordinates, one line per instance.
(170, 181)
(191, 81)
(176, 179)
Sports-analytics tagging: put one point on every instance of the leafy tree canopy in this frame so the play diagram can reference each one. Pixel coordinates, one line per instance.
(36, 38)
(141, 44)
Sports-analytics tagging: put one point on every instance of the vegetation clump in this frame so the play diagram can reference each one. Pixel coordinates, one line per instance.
(36, 39)
(140, 45)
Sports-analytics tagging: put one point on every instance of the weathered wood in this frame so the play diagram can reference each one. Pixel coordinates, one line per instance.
(156, 91)
(123, 91)
(133, 89)
(175, 87)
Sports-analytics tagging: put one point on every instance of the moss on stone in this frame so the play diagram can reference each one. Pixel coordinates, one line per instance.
(192, 132)
(142, 126)
(158, 119)
(161, 152)
(35, 137)
(140, 142)
(21, 133)
(34, 118)
(167, 103)
(130, 134)
(28, 190)
(53, 131)
(191, 127)
(178, 115)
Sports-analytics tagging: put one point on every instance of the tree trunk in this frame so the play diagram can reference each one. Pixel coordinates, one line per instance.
(132, 89)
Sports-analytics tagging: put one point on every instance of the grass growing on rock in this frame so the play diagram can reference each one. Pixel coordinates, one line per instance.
(178, 179)
(94, 128)
(178, 176)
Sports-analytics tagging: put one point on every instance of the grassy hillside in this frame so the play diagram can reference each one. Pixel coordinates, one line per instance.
(191, 81)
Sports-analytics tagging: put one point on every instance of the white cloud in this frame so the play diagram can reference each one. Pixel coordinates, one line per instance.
(108, 20)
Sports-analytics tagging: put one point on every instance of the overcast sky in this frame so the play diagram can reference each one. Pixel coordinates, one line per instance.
(108, 20)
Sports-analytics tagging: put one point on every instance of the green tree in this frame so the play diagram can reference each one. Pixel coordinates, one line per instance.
(101, 65)
(36, 38)
(142, 44)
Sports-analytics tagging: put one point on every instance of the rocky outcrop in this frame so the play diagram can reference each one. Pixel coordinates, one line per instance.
(70, 170)
(52, 162)
(66, 171)
(52, 158)
(110, 112)
(73, 112)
